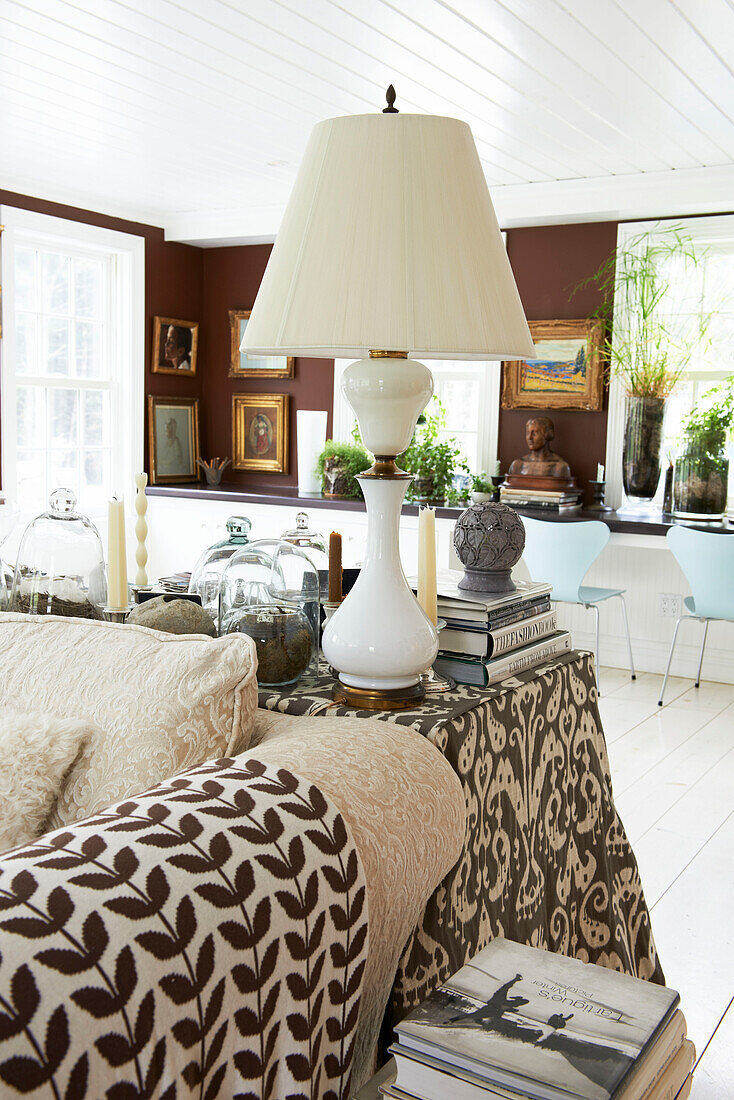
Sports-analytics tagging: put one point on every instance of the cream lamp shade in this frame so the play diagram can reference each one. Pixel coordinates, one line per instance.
(389, 242)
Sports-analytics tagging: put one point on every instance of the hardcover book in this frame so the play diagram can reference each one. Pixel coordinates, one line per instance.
(550, 1027)
(447, 587)
(479, 619)
(493, 643)
(482, 673)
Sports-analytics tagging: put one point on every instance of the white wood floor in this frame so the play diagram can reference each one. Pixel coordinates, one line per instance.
(673, 778)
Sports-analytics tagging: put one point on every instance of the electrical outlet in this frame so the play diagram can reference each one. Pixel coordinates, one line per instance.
(670, 605)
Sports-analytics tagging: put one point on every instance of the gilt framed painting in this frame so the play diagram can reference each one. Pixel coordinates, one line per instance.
(253, 366)
(567, 372)
(260, 432)
(175, 346)
(173, 439)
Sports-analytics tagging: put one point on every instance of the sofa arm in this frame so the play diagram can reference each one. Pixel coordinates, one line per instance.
(405, 808)
(207, 938)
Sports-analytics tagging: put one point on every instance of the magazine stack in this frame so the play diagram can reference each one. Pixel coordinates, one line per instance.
(542, 502)
(490, 637)
(519, 1022)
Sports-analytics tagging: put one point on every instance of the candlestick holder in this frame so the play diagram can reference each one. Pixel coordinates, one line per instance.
(598, 489)
(496, 480)
(116, 614)
(141, 528)
(434, 683)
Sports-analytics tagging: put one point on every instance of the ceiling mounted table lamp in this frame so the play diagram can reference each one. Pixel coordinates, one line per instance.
(389, 251)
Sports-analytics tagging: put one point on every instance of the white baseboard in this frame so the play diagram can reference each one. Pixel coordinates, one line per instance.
(652, 656)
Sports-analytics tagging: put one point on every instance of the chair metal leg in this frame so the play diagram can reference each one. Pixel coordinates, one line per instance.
(670, 655)
(700, 659)
(595, 609)
(633, 675)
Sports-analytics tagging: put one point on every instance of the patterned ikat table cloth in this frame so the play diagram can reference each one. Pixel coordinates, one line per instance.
(546, 860)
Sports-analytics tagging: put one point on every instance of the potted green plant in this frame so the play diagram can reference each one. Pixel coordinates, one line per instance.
(650, 346)
(432, 460)
(482, 489)
(338, 466)
(701, 471)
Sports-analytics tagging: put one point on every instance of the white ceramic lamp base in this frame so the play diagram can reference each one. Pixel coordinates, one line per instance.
(380, 640)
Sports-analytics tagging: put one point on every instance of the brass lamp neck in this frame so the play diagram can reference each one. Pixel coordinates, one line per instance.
(388, 355)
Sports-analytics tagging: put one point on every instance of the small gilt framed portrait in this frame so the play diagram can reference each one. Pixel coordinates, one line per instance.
(253, 366)
(260, 432)
(173, 439)
(566, 372)
(175, 345)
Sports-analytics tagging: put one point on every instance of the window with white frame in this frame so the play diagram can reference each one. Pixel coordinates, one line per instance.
(72, 360)
(706, 289)
(469, 393)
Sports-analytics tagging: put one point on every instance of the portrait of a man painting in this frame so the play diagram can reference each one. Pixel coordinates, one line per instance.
(566, 372)
(175, 346)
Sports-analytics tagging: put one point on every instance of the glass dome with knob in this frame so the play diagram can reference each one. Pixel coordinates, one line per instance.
(206, 577)
(270, 591)
(60, 568)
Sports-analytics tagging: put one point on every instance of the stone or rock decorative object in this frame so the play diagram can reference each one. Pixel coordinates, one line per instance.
(173, 616)
(489, 539)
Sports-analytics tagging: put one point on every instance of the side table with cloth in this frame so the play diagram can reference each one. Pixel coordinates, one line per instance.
(546, 860)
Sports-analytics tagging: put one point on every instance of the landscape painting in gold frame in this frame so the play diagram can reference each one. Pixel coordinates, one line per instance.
(260, 432)
(253, 366)
(567, 373)
(173, 439)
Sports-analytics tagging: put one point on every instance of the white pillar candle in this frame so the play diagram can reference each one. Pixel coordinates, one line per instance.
(141, 528)
(310, 440)
(427, 596)
(600, 472)
(117, 597)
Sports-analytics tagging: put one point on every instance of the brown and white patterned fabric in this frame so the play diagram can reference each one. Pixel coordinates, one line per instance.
(404, 806)
(206, 939)
(547, 861)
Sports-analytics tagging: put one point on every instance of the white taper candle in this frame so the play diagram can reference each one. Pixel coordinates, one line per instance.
(427, 596)
(141, 528)
(117, 596)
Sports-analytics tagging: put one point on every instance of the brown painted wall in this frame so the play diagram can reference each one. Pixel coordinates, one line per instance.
(204, 284)
(173, 287)
(231, 280)
(549, 262)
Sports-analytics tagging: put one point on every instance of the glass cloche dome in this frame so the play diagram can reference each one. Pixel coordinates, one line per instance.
(60, 568)
(314, 547)
(270, 591)
(207, 574)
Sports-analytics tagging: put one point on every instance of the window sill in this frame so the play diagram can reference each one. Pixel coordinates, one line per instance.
(288, 496)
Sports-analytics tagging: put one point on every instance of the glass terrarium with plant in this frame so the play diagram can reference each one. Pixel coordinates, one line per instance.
(701, 471)
(434, 461)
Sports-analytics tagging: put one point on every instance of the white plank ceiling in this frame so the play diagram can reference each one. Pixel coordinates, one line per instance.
(193, 114)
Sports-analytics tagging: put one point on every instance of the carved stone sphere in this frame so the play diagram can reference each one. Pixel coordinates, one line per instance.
(489, 539)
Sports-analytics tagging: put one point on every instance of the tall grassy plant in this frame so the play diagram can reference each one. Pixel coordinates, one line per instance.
(651, 345)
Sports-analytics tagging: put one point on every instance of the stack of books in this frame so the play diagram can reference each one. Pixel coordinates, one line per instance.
(177, 583)
(519, 1022)
(488, 638)
(542, 501)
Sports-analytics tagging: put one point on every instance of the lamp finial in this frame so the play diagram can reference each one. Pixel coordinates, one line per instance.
(391, 109)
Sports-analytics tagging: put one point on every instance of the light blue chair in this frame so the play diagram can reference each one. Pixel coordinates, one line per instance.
(707, 561)
(562, 553)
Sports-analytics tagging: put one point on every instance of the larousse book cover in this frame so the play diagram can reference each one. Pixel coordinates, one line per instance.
(556, 1026)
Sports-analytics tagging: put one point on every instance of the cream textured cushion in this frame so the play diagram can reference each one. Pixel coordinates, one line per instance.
(160, 702)
(36, 752)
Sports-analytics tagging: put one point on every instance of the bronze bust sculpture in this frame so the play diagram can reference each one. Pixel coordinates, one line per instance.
(541, 463)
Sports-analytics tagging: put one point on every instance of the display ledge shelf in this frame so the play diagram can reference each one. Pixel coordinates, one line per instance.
(618, 522)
